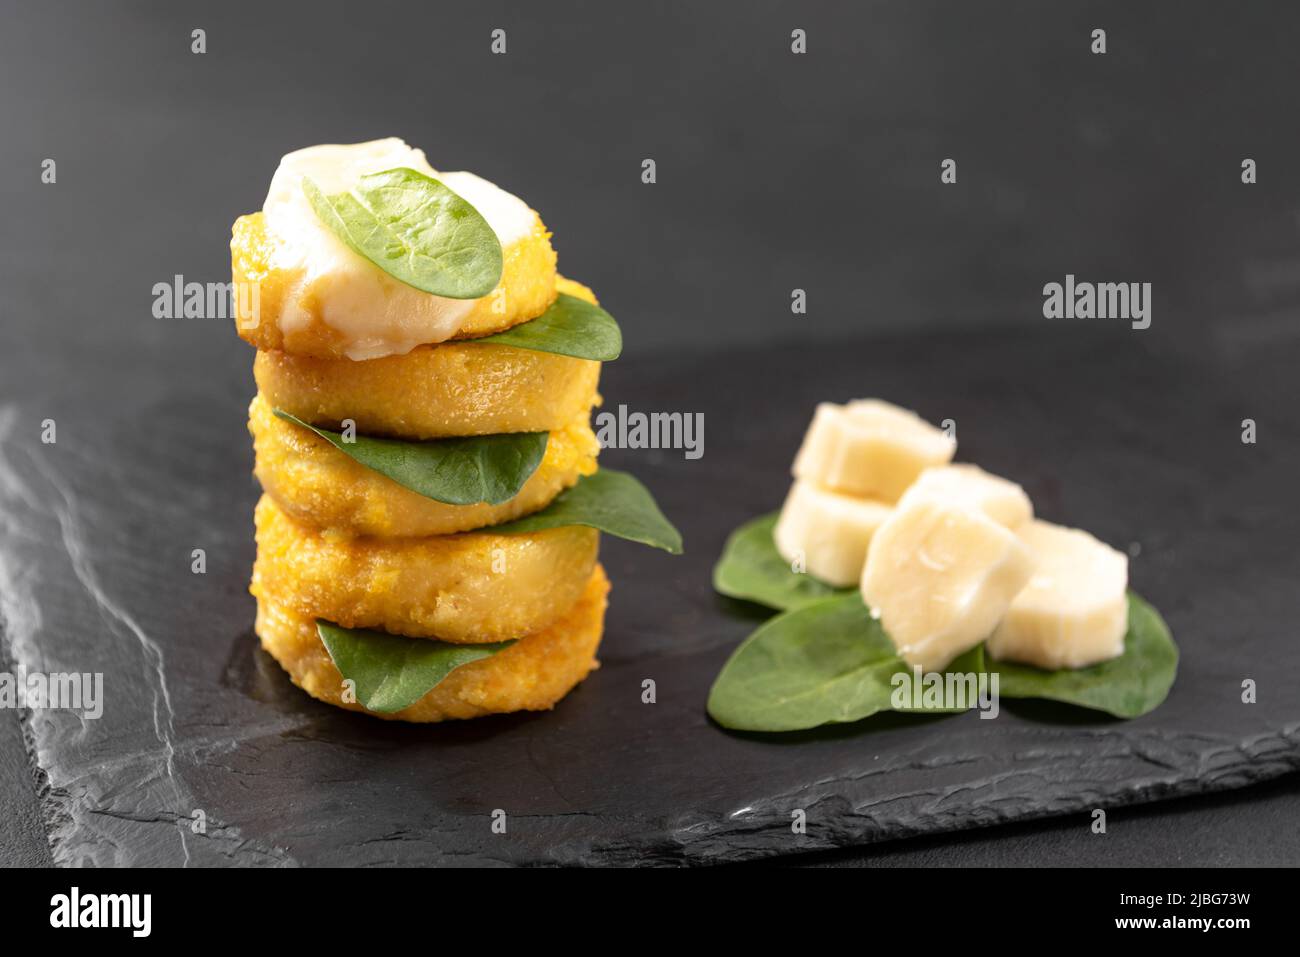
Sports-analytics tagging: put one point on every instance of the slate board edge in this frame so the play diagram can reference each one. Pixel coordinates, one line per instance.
(833, 823)
(1260, 759)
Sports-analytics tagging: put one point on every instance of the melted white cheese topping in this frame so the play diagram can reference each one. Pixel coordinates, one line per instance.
(376, 314)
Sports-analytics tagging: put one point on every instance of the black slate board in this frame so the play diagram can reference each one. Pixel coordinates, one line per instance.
(1137, 444)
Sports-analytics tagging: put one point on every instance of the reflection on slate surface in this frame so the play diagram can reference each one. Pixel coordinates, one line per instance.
(96, 534)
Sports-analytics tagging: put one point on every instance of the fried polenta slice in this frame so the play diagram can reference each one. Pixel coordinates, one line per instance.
(288, 312)
(315, 483)
(457, 388)
(531, 675)
(473, 587)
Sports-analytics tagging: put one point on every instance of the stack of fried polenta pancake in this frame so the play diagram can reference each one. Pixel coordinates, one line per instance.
(343, 544)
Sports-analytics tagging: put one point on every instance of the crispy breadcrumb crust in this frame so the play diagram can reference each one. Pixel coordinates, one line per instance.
(457, 388)
(318, 485)
(531, 675)
(473, 587)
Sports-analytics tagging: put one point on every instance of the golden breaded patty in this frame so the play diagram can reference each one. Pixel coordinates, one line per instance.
(473, 587)
(318, 485)
(458, 388)
(571, 287)
(531, 675)
(526, 290)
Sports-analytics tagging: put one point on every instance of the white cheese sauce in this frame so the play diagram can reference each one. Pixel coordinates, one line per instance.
(376, 314)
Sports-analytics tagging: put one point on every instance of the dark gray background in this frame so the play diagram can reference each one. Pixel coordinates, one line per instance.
(775, 171)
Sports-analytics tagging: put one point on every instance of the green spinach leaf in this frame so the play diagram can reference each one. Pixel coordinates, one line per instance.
(830, 662)
(391, 672)
(1132, 684)
(827, 662)
(752, 569)
(570, 327)
(613, 502)
(458, 471)
(415, 229)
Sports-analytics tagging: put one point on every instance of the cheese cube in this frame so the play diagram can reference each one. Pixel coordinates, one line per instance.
(828, 532)
(969, 486)
(1074, 611)
(940, 577)
(869, 448)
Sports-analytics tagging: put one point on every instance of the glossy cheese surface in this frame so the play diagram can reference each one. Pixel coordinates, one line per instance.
(940, 578)
(1074, 610)
(969, 486)
(827, 532)
(869, 448)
